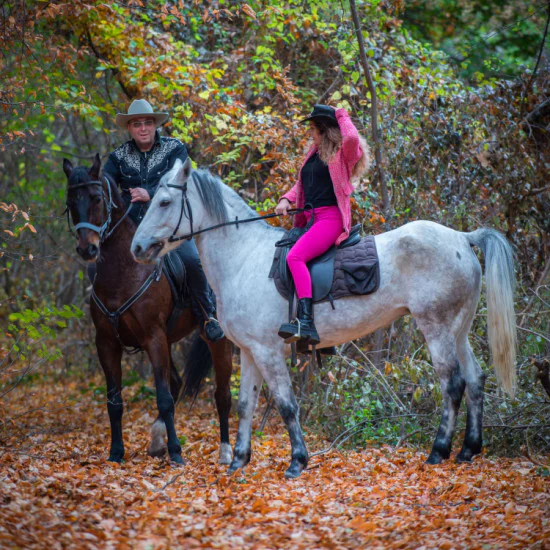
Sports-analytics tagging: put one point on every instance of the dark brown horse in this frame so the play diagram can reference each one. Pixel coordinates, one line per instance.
(131, 306)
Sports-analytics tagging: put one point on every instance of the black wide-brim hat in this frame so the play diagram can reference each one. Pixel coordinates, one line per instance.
(322, 112)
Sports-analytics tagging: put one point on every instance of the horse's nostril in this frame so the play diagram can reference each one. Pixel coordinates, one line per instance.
(137, 250)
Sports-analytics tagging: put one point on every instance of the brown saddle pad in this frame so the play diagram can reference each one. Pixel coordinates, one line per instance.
(356, 271)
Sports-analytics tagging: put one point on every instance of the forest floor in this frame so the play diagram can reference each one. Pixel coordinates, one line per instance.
(58, 491)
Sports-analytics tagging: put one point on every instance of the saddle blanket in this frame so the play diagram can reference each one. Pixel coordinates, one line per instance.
(349, 271)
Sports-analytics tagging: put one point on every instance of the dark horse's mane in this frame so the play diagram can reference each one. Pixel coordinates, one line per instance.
(211, 194)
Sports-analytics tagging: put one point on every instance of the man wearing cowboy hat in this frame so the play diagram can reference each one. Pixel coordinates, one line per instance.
(137, 167)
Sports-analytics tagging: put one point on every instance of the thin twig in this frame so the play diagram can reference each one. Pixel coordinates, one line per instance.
(170, 482)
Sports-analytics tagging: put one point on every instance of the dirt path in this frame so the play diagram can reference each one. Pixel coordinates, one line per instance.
(58, 491)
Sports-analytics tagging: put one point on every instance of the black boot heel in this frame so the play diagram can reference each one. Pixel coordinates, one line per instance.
(212, 330)
(302, 328)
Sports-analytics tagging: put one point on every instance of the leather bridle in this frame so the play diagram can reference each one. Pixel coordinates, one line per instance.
(102, 230)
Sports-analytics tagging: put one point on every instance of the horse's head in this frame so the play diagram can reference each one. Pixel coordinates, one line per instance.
(169, 215)
(89, 206)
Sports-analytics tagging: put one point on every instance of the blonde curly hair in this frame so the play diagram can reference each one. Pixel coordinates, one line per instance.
(331, 141)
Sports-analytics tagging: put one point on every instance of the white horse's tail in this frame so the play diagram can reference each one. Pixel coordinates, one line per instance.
(501, 318)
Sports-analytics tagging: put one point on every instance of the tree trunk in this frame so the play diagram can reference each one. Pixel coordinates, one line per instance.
(374, 109)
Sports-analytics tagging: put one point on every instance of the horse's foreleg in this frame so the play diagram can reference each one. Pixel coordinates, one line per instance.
(157, 447)
(159, 354)
(475, 382)
(110, 354)
(251, 384)
(221, 359)
(278, 381)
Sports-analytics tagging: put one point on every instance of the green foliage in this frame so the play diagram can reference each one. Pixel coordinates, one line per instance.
(487, 38)
(33, 330)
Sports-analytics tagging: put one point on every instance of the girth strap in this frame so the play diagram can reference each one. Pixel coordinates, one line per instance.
(114, 316)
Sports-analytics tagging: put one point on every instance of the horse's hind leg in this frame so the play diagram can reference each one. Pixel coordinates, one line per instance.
(475, 382)
(251, 384)
(221, 359)
(110, 354)
(442, 346)
(158, 447)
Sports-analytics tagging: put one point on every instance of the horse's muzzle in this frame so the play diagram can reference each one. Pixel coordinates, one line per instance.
(89, 253)
(147, 254)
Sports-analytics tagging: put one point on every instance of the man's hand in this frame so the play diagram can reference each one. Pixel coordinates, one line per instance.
(139, 194)
(282, 207)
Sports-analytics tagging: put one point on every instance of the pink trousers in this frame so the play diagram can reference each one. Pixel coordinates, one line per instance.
(319, 238)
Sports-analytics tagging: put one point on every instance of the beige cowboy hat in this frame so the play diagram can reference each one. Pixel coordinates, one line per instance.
(140, 108)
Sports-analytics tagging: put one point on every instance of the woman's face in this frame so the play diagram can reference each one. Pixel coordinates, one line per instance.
(314, 133)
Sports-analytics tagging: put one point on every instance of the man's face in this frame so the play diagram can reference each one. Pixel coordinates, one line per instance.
(142, 130)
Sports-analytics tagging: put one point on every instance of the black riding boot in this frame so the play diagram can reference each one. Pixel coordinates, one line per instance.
(301, 328)
(202, 297)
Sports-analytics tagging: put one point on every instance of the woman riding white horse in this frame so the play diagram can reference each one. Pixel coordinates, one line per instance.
(337, 155)
(426, 270)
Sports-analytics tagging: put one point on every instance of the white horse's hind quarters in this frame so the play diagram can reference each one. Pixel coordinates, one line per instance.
(426, 270)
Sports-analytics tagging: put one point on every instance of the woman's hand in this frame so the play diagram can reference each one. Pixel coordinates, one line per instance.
(282, 207)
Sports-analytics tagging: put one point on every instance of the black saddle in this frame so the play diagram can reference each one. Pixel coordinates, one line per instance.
(349, 268)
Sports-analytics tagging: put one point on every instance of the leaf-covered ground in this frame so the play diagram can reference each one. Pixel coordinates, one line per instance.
(58, 491)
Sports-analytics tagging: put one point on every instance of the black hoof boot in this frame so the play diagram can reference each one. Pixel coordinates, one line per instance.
(328, 351)
(212, 330)
(301, 328)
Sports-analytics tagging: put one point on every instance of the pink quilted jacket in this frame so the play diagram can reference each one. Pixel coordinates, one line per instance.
(340, 171)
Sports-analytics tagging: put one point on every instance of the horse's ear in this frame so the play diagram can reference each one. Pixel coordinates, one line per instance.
(96, 166)
(67, 167)
(185, 170)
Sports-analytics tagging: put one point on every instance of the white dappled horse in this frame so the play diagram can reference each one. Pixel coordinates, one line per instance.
(426, 270)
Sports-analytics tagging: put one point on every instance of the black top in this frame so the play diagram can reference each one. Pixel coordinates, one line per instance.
(318, 187)
(130, 167)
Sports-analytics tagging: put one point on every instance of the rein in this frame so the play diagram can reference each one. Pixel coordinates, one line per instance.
(185, 204)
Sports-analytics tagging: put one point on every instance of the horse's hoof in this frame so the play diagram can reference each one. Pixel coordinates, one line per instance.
(177, 459)
(295, 469)
(157, 451)
(462, 460)
(435, 458)
(116, 458)
(465, 455)
(236, 464)
(157, 447)
(226, 454)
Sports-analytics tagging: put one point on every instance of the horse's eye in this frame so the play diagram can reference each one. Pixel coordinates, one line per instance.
(164, 203)
(97, 200)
